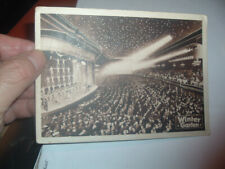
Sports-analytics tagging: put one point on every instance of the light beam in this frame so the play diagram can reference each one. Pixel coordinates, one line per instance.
(127, 65)
(150, 63)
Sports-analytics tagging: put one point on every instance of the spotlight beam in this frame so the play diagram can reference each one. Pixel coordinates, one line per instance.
(149, 50)
(127, 64)
(150, 63)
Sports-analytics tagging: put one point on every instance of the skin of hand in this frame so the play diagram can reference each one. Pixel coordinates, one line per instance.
(20, 65)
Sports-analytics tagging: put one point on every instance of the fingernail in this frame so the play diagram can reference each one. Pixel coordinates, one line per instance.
(37, 59)
(9, 117)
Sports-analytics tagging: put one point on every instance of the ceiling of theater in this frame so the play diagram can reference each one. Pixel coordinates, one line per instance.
(120, 36)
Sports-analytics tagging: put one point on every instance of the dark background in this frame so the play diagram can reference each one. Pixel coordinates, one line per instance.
(11, 11)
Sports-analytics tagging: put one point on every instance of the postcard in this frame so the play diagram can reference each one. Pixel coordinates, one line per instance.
(120, 75)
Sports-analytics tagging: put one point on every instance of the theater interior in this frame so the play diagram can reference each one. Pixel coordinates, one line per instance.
(120, 75)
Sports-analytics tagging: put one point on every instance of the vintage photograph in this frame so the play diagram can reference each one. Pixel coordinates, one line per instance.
(120, 75)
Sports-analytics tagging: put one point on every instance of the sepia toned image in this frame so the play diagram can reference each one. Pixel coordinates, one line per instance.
(123, 76)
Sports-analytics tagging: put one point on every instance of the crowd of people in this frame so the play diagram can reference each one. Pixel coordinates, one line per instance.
(186, 77)
(125, 105)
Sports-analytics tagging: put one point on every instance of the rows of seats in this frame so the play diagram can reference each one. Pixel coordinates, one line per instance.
(131, 105)
(186, 77)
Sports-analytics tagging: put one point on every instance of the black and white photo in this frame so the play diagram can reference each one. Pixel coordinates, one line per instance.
(120, 75)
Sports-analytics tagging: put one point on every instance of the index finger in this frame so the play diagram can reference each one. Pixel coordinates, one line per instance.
(11, 46)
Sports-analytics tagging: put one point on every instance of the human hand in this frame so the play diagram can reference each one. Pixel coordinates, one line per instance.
(20, 65)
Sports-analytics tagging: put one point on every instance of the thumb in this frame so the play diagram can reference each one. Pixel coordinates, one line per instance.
(16, 74)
